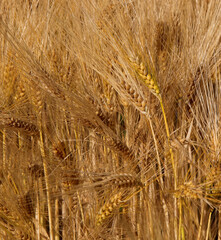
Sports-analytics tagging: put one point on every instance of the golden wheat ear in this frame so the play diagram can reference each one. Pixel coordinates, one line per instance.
(27, 203)
(124, 180)
(17, 124)
(139, 101)
(36, 170)
(60, 149)
(107, 210)
(144, 75)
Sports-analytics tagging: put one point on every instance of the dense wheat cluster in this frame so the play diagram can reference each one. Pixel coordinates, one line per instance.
(110, 119)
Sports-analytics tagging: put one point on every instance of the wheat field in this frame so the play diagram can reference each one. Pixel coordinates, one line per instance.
(110, 114)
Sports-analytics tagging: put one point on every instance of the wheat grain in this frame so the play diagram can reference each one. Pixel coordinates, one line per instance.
(140, 102)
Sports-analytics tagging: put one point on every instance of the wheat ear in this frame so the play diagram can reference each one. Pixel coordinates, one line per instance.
(26, 127)
(140, 102)
(108, 208)
(124, 180)
(146, 77)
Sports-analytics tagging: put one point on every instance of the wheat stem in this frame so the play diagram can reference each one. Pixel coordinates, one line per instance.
(173, 165)
(38, 218)
(201, 220)
(3, 148)
(208, 225)
(171, 151)
(219, 224)
(57, 217)
(41, 143)
(181, 235)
